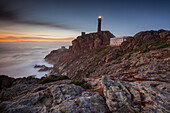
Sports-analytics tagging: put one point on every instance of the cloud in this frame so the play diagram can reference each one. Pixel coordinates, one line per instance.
(6, 14)
(12, 17)
(12, 37)
(34, 39)
(45, 24)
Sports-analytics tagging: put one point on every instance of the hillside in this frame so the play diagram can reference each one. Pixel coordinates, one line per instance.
(137, 72)
(92, 77)
(135, 52)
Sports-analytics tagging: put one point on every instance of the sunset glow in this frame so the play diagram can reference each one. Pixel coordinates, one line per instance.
(73, 56)
(37, 39)
(32, 20)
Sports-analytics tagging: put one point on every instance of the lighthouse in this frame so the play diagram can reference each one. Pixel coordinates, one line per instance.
(99, 23)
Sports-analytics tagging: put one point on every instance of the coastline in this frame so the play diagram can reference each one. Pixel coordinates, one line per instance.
(18, 59)
(132, 77)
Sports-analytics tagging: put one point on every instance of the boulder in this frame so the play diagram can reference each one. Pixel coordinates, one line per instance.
(5, 82)
(86, 103)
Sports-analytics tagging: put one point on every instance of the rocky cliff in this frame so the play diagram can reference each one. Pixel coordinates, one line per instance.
(64, 59)
(82, 44)
(107, 59)
(133, 77)
(88, 42)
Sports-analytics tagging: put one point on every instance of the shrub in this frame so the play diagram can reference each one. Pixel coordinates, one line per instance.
(90, 71)
(118, 62)
(86, 86)
(2, 109)
(120, 58)
(160, 46)
(107, 65)
(52, 78)
(138, 44)
(143, 48)
(78, 82)
(30, 77)
(128, 56)
(118, 55)
(81, 83)
(142, 64)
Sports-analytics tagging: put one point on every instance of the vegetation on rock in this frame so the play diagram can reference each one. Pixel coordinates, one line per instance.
(81, 83)
(90, 71)
(151, 45)
(143, 64)
(103, 51)
(2, 109)
(52, 78)
(30, 78)
(79, 64)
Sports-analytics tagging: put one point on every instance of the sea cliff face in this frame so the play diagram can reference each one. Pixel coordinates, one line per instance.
(133, 77)
(91, 41)
(106, 59)
(82, 46)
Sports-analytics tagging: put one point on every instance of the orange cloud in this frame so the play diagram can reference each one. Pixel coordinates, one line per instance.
(37, 39)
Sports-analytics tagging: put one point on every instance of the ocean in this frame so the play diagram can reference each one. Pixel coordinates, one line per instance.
(18, 59)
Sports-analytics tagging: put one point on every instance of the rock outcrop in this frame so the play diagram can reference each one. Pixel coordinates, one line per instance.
(56, 55)
(56, 99)
(43, 67)
(64, 59)
(133, 77)
(17, 90)
(5, 82)
(150, 38)
(106, 60)
(139, 96)
(81, 45)
(91, 41)
(128, 92)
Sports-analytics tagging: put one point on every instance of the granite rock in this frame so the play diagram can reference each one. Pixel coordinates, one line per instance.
(145, 96)
(56, 99)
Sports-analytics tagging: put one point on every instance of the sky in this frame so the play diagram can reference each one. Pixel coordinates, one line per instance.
(64, 20)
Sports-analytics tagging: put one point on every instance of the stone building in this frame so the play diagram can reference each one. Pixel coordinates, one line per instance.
(116, 41)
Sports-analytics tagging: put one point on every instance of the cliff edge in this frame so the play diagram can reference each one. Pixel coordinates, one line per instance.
(84, 59)
(133, 77)
(82, 44)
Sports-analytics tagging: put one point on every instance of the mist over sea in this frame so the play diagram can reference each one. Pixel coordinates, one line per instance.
(18, 59)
